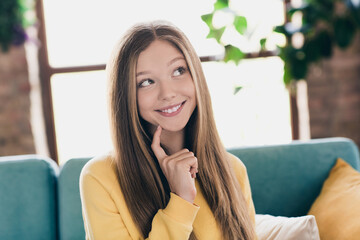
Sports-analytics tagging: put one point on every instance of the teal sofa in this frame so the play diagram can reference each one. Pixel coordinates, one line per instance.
(39, 200)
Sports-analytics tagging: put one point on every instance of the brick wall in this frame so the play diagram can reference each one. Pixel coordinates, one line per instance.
(334, 95)
(15, 129)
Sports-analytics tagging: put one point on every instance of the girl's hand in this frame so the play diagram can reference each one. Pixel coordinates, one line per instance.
(179, 169)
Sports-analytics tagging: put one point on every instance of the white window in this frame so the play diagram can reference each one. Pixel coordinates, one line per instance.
(83, 33)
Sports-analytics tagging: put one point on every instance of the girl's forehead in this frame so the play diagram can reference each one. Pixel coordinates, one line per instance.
(159, 52)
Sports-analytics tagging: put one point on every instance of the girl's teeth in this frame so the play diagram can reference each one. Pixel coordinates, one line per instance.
(171, 110)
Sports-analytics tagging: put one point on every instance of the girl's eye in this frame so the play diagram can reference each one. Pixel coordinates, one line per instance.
(145, 83)
(179, 71)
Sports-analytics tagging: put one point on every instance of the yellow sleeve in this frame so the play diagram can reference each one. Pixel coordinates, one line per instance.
(175, 221)
(102, 218)
(242, 176)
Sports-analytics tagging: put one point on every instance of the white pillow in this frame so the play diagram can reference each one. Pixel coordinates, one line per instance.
(290, 228)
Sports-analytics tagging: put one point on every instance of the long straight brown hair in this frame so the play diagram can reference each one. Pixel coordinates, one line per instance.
(141, 180)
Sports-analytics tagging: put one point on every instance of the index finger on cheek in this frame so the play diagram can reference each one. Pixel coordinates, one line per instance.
(156, 137)
(155, 145)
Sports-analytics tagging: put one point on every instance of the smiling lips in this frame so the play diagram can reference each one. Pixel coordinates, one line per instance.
(172, 110)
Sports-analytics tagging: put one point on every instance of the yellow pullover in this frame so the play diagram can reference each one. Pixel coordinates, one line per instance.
(106, 215)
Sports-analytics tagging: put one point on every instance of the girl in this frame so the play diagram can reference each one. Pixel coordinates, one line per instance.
(169, 176)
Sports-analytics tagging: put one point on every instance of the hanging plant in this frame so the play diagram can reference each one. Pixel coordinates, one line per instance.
(238, 23)
(325, 24)
(15, 16)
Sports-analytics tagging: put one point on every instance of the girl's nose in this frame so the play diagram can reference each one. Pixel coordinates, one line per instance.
(167, 90)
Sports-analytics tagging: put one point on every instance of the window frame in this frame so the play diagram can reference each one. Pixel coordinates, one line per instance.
(46, 72)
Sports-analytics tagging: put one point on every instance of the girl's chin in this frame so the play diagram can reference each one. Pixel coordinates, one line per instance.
(173, 130)
(169, 128)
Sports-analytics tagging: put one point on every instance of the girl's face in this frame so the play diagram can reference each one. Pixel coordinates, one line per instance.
(165, 89)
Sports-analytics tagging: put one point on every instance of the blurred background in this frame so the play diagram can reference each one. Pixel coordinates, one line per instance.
(277, 70)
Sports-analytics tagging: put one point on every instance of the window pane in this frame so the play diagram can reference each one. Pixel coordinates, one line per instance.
(262, 16)
(83, 32)
(259, 113)
(91, 27)
(80, 110)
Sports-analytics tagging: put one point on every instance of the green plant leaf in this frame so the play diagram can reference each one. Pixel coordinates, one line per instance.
(233, 53)
(316, 10)
(292, 10)
(311, 14)
(311, 49)
(262, 44)
(344, 31)
(325, 43)
(240, 24)
(287, 74)
(237, 89)
(11, 23)
(216, 33)
(325, 6)
(282, 29)
(220, 4)
(207, 18)
(298, 65)
(295, 63)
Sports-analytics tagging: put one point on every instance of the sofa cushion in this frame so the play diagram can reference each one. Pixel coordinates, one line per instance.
(71, 224)
(286, 179)
(279, 228)
(337, 209)
(27, 198)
